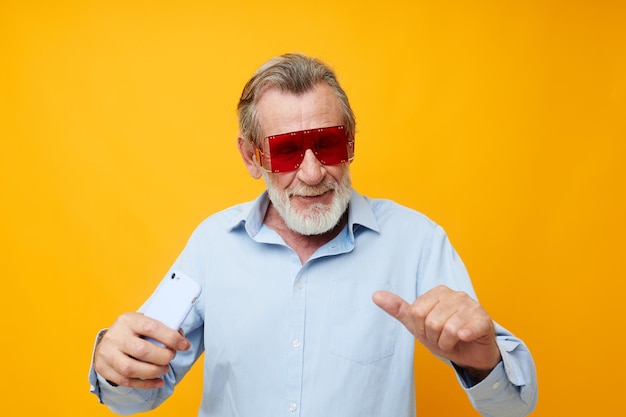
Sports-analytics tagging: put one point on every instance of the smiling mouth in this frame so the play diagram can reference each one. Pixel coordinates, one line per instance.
(312, 192)
(312, 195)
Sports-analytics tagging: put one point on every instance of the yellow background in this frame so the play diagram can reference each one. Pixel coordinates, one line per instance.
(503, 121)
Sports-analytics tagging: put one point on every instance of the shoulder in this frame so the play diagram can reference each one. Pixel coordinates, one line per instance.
(389, 213)
(219, 224)
(227, 218)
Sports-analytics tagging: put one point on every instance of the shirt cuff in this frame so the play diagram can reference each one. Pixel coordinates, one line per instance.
(97, 382)
(507, 375)
(494, 381)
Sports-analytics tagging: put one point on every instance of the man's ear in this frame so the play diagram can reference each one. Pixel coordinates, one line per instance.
(247, 154)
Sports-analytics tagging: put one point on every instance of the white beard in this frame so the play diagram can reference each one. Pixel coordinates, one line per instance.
(317, 218)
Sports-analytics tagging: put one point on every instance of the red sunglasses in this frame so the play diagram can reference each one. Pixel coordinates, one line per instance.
(285, 152)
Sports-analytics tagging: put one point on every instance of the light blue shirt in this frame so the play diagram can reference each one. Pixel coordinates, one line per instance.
(285, 339)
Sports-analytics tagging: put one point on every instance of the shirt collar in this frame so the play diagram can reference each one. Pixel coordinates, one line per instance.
(360, 213)
(252, 214)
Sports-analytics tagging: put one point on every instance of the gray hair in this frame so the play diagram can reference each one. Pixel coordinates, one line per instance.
(289, 73)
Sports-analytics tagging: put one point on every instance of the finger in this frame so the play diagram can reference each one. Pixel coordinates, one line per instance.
(148, 327)
(448, 335)
(396, 307)
(114, 365)
(143, 383)
(441, 321)
(440, 308)
(429, 317)
(478, 329)
(135, 374)
(116, 379)
(126, 337)
(146, 351)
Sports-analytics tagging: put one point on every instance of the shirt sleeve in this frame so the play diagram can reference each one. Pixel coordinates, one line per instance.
(510, 390)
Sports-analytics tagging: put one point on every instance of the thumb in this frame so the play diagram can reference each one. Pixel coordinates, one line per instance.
(395, 306)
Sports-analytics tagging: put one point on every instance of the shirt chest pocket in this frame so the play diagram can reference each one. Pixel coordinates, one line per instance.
(360, 330)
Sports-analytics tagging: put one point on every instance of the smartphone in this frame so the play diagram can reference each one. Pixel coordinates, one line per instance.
(173, 301)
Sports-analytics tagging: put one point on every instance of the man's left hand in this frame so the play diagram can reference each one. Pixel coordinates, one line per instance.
(451, 325)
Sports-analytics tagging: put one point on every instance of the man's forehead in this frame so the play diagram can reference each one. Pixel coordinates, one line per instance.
(281, 112)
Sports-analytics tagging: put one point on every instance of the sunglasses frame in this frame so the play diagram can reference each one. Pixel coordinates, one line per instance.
(304, 143)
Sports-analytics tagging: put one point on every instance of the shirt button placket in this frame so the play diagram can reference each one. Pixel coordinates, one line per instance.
(295, 356)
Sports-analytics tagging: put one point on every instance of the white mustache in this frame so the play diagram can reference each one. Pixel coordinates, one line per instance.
(312, 191)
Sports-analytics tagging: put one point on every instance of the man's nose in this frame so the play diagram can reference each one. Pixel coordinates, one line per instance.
(311, 170)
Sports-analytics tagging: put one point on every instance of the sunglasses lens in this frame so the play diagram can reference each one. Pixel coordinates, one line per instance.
(286, 152)
(331, 147)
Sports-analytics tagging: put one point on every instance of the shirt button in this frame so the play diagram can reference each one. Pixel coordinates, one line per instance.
(293, 407)
(296, 343)
(300, 285)
(495, 385)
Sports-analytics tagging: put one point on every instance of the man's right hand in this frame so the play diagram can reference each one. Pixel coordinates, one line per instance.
(124, 358)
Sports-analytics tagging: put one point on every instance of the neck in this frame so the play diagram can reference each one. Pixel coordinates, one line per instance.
(303, 245)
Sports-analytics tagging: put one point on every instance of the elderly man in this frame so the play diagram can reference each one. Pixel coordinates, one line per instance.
(313, 295)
